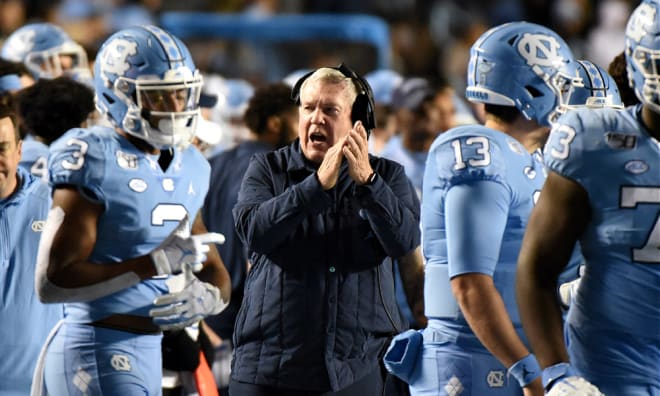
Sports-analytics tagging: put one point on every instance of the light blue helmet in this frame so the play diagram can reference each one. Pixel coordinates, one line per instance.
(524, 65)
(137, 64)
(383, 82)
(596, 89)
(40, 46)
(643, 53)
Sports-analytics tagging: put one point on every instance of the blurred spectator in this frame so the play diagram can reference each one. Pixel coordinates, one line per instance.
(48, 52)
(418, 122)
(46, 111)
(607, 39)
(383, 82)
(233, 96)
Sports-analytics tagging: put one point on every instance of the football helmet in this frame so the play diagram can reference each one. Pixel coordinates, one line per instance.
(524, 65)
(147, 85)
(596, 89)
(643, 53)
(48, 52)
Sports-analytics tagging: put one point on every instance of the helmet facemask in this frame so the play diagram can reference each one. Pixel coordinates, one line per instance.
(162, 112)
(68, 59)
(647, 63)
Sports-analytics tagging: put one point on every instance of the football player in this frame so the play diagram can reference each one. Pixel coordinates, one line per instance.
(119, 227)
(603, 190)
(480, 184)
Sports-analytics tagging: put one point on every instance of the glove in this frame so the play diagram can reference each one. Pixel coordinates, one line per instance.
(562, 380)
(574, 386)
(181, 249)
(181, 309)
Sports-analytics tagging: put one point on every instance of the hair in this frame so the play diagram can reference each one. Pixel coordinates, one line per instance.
(617, 69)
(49, 108)
(507, 114)
(332, 76)
(267, 101)
(7, 109)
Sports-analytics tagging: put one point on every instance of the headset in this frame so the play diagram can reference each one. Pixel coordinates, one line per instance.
(363, 107)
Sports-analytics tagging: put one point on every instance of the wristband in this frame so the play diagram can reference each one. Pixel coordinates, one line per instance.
(525, 370)
(551, 374)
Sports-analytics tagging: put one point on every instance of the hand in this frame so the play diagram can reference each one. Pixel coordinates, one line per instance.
(328, 171)
(181, 309)
(573, 386)
(356, 151)
(180, 249)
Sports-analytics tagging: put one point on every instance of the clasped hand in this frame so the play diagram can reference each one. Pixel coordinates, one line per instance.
(180, 249)
(355, 148)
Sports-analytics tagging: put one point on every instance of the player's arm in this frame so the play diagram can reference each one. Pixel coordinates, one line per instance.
(476, 216)
(63, 270)
(555, 224)
(411, 269)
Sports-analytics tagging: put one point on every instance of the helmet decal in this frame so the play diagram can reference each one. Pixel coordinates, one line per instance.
(540, 49)
(115, 57)
(640, 22)
(524, 65)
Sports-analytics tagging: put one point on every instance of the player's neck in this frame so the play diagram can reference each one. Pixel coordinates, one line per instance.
(528, 132)
(139, 143)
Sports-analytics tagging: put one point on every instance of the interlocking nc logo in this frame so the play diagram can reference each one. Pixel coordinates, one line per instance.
(640, 21)
(120, 363)
(540, 49)
(115, 56)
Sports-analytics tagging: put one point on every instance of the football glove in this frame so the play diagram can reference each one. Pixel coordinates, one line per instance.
(562, 380)
(181, 249)
(181, 309)
(573, 386)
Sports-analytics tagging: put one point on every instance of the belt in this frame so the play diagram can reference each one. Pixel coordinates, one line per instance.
(130, 323)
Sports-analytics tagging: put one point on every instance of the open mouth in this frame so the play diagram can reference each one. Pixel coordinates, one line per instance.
(317, 137)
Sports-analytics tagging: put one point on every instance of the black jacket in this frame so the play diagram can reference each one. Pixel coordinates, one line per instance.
(319, 301)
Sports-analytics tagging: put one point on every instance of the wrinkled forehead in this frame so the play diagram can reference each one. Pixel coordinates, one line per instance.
(328, 92)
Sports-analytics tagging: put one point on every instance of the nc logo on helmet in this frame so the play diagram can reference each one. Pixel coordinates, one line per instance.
(115, 56)
(540, 49)
(640, 21)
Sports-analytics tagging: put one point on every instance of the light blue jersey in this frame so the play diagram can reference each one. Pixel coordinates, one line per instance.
(486, 163)
(34, 158)
(24, 321)
(142, 205)
(614, 323)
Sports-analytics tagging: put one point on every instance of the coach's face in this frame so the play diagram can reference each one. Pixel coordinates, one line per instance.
(10, 155)
(324, 117)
